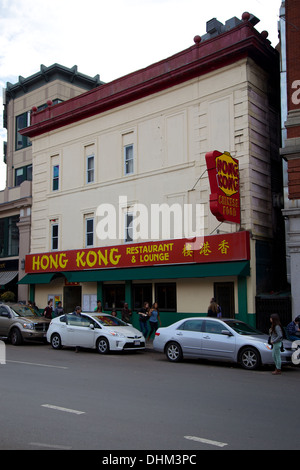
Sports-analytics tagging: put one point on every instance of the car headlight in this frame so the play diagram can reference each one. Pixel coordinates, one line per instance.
(115, 333)
(28, 326)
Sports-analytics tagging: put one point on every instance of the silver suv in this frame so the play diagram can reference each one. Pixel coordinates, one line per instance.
(18, 322)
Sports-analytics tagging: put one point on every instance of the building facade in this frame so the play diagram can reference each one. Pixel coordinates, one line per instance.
(51, 85)
(290, 41)
(103, 160)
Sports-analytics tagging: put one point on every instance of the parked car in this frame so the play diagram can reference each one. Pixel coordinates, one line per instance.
(222, 340)
(96, 331)
(19, 322)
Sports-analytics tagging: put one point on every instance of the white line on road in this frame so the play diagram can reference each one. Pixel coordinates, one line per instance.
(206, 441)
(50, 446)
(67, 410)
(36, 364)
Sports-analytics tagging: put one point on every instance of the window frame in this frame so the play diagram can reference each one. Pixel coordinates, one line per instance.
(54, 237)
(90, 171)
(128, 161)
(55, 179)
(89, 219)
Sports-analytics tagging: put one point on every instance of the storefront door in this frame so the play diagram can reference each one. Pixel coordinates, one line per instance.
(224, 294)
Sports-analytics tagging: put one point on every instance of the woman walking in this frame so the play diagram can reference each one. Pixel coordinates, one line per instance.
(276, 335)
(154, 319)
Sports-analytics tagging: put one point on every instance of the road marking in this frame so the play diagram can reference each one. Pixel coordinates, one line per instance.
(206, 441)
(50, 446)
(67, 410)
(36, 364)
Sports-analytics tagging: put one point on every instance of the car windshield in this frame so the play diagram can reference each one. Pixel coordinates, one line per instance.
(242, 328)
(109, 320)
(23, 310)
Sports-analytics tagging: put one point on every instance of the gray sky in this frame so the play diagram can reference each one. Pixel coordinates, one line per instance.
(108, 38)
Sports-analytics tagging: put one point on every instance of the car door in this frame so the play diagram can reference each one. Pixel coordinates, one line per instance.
(79, 332)
(5, 320)
(189, 336)
(217, 340)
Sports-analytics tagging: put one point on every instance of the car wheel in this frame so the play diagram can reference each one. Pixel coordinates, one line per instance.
(102, 345)
(173, 352)
(16, 337)
(56, 341)
(249, 358)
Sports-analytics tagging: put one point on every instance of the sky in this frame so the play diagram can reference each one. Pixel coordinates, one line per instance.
(109, 38)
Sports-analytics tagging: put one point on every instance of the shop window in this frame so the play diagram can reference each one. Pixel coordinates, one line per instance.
(113, 296)
(165, 296)
(141, 293)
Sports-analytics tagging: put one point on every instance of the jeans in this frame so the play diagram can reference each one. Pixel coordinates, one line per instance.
(153, 327)
(276, 355)
(144, 328)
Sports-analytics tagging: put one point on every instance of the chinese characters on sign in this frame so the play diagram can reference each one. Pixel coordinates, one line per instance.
(223, 173)
(214, 248)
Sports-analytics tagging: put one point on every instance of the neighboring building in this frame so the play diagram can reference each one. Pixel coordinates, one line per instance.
(51, 85)
(290, 83)
(143, 139)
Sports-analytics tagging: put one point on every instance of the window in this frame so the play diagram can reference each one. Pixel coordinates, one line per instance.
(191, 325)
(141, 293)
(113, 296)
(128, 159)
(128, 227)
(55, 178)
(89, 232)
(23, 174)
(54, 237)
(22, 121)
(214, 327)
(90, 169)
(165, 296)
(9, 236)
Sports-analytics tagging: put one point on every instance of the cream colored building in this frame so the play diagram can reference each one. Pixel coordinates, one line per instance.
(142, 139)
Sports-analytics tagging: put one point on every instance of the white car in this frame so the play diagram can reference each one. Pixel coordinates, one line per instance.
(220, 340)
(96, 331)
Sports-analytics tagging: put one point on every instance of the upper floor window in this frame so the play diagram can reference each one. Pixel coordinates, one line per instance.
(90, 169)
(89, 232)
(128, 159)
(23, 174)
(54, 237)
(22, 121)
(9, 236)
(128, 227)
(55, 177)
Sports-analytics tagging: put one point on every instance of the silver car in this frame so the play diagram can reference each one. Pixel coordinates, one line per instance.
(221, 340)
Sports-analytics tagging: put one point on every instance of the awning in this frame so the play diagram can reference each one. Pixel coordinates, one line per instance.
(7, 276)
(238, 268)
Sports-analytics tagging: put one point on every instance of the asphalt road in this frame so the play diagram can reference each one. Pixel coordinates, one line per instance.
(139, 401)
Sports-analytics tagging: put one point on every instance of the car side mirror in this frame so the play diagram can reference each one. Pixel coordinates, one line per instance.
(91, 326)
(226, 333)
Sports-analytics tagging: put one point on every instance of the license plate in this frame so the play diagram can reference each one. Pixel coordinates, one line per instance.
(137, 343)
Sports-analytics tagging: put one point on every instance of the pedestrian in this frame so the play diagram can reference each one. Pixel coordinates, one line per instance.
(276, 336)
(214, 310)
(293, 330)
(114, 312)
(126, 313)
(154, 318)
(49, 309)
(58, 311)
(98, 309)
(143, 318)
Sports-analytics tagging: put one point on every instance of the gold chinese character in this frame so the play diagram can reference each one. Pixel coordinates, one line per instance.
(205, 249)
(223, 247)
(187, 251)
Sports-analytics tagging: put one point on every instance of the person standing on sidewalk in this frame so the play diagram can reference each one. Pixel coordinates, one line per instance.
(276, 334)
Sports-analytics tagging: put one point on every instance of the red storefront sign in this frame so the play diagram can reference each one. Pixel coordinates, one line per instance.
(223, 173)
(210, 249)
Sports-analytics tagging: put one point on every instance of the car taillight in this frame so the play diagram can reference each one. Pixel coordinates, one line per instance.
(157, 334)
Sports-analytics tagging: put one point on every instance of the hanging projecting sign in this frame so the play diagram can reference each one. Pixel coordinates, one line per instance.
(224, 179)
